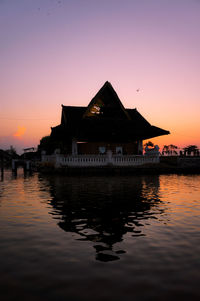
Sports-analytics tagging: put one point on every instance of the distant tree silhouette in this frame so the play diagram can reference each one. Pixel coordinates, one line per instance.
(6, 156)
(46, 144)
(170, 149)
(191, 149)
(11, 151)
(149, 143)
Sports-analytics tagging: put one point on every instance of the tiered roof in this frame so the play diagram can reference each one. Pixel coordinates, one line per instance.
(105, 119)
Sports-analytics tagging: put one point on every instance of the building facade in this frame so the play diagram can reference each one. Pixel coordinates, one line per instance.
(104, 125)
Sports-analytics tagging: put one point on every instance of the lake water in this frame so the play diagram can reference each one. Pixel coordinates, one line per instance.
(99, 238)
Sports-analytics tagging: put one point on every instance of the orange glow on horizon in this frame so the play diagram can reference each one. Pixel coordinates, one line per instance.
(20, 132)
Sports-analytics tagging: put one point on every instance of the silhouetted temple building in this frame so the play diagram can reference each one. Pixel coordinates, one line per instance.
(104, 125)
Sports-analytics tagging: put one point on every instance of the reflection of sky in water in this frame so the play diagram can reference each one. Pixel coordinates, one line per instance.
(150, 223)
(104, 209)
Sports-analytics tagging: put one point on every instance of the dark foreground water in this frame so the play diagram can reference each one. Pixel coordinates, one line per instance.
(99, 238)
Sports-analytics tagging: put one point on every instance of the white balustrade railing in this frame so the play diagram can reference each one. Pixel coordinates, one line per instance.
(134, 160)
(59, 160)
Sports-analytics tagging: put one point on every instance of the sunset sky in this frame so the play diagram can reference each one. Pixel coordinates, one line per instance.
(62, 52)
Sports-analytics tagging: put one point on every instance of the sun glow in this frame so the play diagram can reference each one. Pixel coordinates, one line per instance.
(20, 132)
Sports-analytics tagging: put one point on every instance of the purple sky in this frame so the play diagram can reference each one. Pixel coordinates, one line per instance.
(62, 52)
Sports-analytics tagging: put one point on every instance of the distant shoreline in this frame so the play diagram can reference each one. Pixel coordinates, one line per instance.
(167, 165)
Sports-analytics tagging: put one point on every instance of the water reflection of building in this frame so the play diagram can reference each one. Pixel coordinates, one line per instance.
(104, 209)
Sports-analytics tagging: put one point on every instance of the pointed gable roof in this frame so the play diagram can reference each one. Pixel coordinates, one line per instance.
(105, 119)
(106, 104)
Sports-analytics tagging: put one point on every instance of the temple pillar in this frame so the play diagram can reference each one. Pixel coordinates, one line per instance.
(43, 156)
(109, 157)
(140, 147)
(74, 147)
